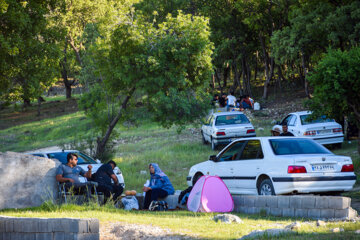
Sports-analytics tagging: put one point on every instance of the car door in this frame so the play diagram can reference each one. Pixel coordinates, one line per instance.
(205, 128)
(223, 167)
(292, 124)
(246, 167)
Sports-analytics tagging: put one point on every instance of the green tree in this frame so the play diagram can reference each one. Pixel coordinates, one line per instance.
(28, 53)
(168, 64)
(336, 83)
(78, 19)
(314, 26)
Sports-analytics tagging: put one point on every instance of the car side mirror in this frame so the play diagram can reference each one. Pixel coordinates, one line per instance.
(98, 161)
(213, 158)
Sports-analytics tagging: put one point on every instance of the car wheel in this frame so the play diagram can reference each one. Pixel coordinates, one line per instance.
(196, 177)
(203, 138)
(266, 188)
(213, 144)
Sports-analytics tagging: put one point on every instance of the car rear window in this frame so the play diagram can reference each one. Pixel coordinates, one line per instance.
(305, 119)
(231, 119)
(62, 157)
(296, 146)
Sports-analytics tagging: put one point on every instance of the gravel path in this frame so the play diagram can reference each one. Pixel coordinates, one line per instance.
(120, 230)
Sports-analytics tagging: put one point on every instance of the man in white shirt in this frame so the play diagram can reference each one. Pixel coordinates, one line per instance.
(231, 100)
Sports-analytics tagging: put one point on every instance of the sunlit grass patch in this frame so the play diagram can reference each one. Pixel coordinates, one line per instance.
(199, 225)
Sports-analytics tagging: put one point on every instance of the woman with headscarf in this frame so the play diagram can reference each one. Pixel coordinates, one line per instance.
(160, 185)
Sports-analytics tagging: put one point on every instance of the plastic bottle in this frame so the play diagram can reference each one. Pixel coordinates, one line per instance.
(146, 185)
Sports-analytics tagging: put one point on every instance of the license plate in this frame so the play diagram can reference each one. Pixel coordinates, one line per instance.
(324, 131)
(322, 168)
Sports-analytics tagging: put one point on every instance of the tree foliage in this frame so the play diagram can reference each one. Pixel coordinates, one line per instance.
(28, 53)
(336, 83)
(168, 64)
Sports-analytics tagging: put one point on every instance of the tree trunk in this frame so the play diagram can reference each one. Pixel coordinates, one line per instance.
(101, 142)
(68, 91)
(64, 75)
(269, 76)
(219, 81)
(269, 67)
(358, 139)
(76, 50)
(39, 106)
(306, 83)
(27, 102)
(237, 75)
(248, 79)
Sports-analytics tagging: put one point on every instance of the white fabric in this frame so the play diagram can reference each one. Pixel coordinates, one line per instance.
(231, 100)
(130, 202)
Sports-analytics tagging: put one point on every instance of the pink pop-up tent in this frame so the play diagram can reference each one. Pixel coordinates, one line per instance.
(210, 194)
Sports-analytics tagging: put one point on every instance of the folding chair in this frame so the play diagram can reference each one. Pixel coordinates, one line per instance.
(64, 193)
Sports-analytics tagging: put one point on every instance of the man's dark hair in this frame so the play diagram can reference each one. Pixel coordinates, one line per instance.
(284, 124)
(71, 155)
(112, 162)
(231, 92)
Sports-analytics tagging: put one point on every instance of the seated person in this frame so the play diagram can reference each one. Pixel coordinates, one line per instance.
(160, 185)
(69, 174)
(103, 177)
(246, 103)
(285, 131)
(275, 132)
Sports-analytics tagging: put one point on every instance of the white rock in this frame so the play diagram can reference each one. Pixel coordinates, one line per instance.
(336, 230)
(273, 121)
(260, 129)
(293, 226)
(143, 172)
(269, 232)
(357, 231)
(26, 180)
(320, 223)
(227, 218)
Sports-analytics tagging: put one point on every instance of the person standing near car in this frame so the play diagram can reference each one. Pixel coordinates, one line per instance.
(103, 177)
(285, 131)
(69, 175)
(231, 101)
(160, 185)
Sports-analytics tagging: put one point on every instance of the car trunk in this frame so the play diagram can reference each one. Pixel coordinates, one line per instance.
(322, 164)
(323, 129)
(233, 131)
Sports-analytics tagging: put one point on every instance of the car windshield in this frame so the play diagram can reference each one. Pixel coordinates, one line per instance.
(62, 157)
(305, 119)
(297, 146)
(231, 119)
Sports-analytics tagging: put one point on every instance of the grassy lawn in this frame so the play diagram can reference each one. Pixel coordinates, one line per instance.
(197, 225)
(137, 146)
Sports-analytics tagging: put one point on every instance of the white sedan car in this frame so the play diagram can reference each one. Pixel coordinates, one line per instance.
(225, 127)
(277, 165)
(83, 161)
(323, 130)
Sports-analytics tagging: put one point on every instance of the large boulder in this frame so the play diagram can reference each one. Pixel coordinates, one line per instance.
(26, 180)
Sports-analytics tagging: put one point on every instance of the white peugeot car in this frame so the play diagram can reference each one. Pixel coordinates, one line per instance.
(83, 161)
(323, 130)
(224, 127)
(277, 165)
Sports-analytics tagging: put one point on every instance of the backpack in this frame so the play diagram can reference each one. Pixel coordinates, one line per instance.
(158, 206)
(184, 195)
